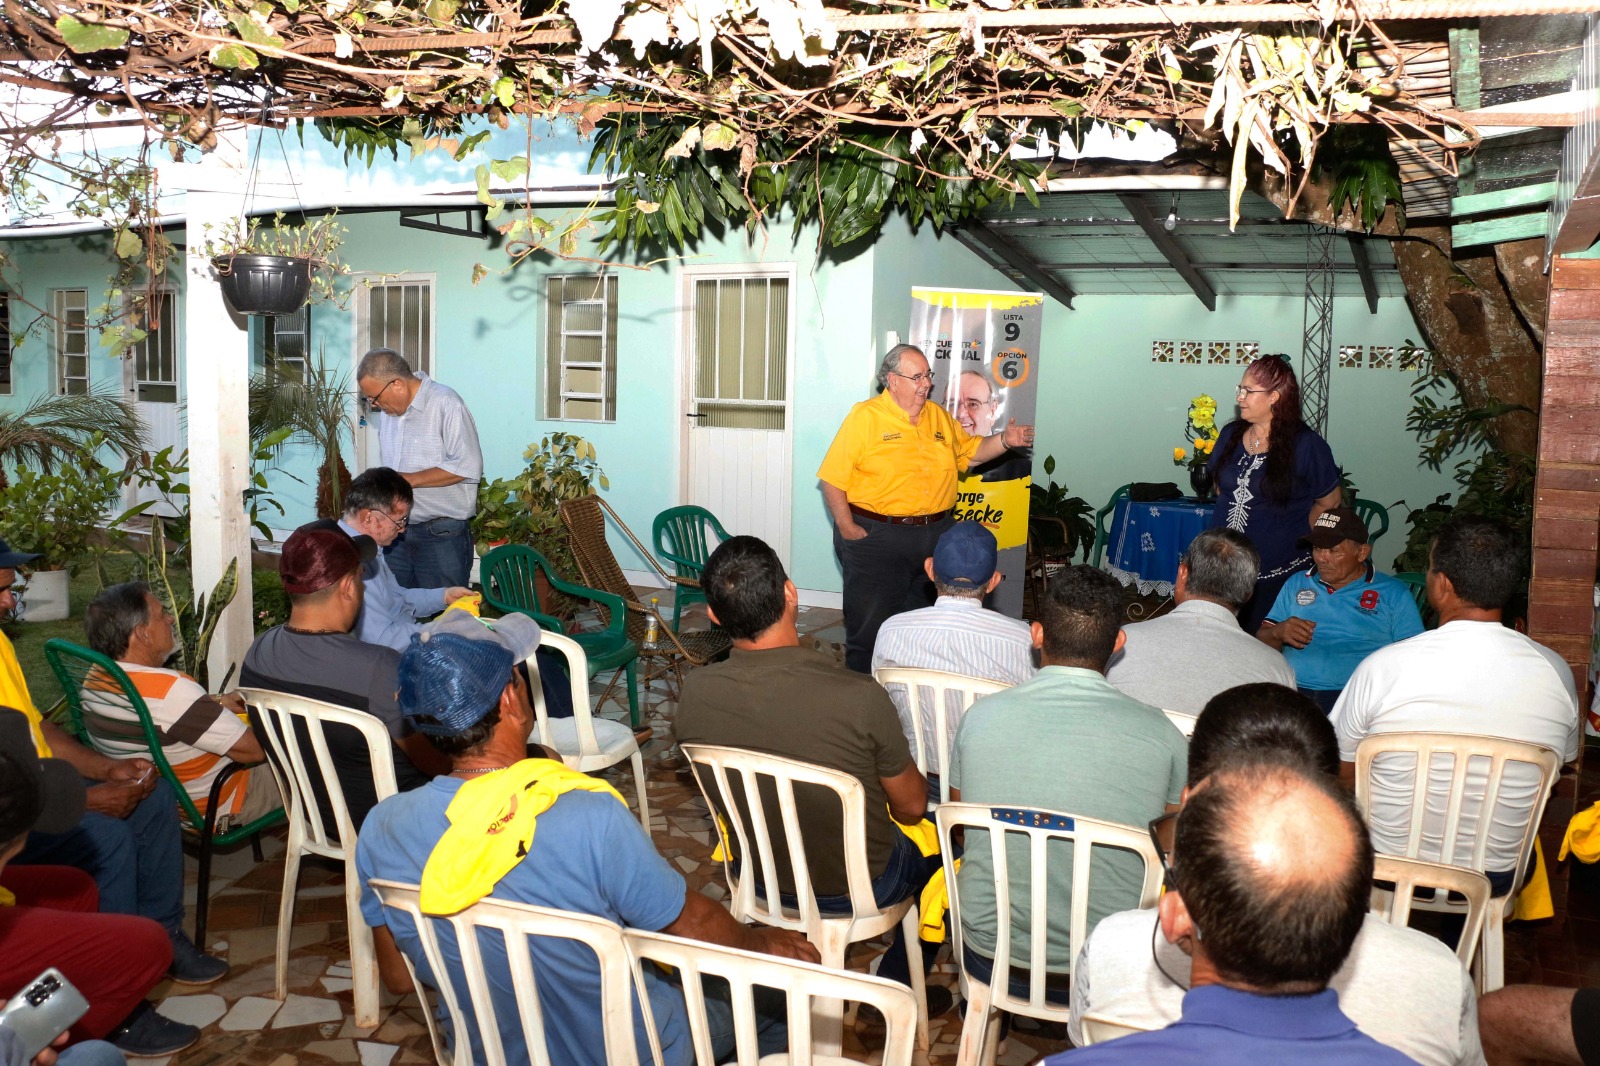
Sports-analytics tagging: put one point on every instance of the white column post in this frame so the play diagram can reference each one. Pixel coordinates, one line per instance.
(216, 376)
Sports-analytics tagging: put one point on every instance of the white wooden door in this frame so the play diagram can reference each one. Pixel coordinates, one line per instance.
(738, 383)
(396, 312)
(151, 374)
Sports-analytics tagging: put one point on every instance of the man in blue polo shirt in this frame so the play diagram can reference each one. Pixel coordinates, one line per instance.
(1268, 886)
(1330, 617)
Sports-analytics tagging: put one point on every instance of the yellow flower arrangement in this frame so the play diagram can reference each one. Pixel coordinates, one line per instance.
(1201, 432)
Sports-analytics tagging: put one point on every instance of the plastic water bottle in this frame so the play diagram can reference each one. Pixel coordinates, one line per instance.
(652, 631)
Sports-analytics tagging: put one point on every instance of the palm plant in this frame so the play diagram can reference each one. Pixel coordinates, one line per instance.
(51, 429)
(316, 409)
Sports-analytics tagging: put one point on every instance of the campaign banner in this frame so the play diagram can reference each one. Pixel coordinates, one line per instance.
(983, 348)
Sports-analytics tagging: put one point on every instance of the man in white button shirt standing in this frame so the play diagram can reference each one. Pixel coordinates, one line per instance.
(427, 434)
(1471, 675)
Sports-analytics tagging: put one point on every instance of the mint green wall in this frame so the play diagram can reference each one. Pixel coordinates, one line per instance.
(1107, 412)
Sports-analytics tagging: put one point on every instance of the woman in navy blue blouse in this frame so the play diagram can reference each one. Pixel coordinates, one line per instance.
(1274, 475)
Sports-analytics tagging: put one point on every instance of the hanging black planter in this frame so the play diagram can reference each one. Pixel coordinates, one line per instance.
(264, 284)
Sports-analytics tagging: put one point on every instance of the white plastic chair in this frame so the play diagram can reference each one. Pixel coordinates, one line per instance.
(832, 934)
(516, 923)
(924, 689)
(1184, 722)
(1090, 838)
(1097, 1029)
(585, 743)
(281, 719)
(1394, 905)
(1449, 812)
(808, 988)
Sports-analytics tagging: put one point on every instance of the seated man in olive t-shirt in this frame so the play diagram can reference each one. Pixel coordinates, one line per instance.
(315, 655)
(773, 696)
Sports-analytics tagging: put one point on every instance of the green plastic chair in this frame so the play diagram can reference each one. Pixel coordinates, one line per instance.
(73, 664)
(509, 574)
(1102, 525)
(682, 537)
(1419, 588)
(1367, 510)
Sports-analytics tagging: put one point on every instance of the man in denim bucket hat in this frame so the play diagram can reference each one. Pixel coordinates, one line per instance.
(471, 834)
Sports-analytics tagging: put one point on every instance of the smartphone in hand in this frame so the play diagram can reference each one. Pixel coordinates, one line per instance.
(46, 1007)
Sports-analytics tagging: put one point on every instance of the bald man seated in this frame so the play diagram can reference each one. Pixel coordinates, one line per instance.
(1268, 886)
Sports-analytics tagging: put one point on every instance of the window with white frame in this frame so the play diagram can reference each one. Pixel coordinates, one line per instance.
(153, 361)
(283, 341)
(741, 351)
(399, 315)
(5, 343)
(70, 307)
(580, 347)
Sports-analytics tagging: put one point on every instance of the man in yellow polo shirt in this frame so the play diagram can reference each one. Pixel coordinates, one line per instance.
(889, 480)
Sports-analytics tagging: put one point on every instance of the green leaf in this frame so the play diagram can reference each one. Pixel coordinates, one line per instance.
(233, 57)
(442, 10)
(1067, 108)
(484, 195)
(129, 246)
(85, 37)
(510, 169)
(253, 32)
(719, 136)
(505, 90)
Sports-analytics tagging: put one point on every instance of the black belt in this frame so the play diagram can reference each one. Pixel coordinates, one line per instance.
(900, 519)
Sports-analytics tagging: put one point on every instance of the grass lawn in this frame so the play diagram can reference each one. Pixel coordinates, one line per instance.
(29, 637)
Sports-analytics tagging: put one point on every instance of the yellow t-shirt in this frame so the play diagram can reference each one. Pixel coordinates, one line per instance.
(885, 464)
(14, 693)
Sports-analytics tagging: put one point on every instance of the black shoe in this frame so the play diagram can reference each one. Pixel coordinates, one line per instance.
(191, 966)
(940, 1000)
(147, 1034)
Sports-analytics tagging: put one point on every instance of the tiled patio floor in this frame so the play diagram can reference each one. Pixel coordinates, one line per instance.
(243, 1023)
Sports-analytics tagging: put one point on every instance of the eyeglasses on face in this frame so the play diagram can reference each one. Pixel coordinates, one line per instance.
(399, 523)
(926, 377)
(371, 402)
(1245, 390)
(970, 404)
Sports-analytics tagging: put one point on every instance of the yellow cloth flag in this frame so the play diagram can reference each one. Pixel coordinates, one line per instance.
(1534, 901)
(1583, 836)
(7, 898)
(935, 901)
(471, 604)
(492, 820)
(925, 835)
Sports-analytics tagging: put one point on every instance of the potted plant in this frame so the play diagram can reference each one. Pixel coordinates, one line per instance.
(1201, 432)
(526, 508)
(273, 270)
(54, 514)
(1063, 524)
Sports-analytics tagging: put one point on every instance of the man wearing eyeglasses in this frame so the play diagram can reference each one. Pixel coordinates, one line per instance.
(378, 505)
(889, 482)
(427, 434)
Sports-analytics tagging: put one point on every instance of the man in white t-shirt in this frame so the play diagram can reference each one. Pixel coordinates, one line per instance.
(1471, 675)
(1402, 987)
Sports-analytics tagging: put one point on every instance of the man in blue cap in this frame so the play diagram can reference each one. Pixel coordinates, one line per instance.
(958, 634)
(470, 834)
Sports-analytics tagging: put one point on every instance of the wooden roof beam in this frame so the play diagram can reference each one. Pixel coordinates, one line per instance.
(1169, 249)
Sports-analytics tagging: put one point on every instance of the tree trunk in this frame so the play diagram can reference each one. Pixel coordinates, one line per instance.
(332, 466)
(1468, 318)
(1521, 266)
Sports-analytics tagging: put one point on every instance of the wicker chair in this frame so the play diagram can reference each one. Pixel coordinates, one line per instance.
(585, 519)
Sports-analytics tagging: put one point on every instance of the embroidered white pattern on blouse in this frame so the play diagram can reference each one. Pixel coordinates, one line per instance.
(1239, 509)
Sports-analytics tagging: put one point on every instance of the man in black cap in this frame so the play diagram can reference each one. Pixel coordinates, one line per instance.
(113, 959)
(128, 839)
(1330, 617)
(314, 654)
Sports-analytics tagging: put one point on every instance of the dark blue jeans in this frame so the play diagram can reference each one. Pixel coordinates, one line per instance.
(434, 554)
(136, 862)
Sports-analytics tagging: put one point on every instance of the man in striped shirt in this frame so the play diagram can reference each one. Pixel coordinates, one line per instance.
(958, 634)
(200, 732)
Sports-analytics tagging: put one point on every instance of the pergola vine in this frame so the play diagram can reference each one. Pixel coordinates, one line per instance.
(724, 111)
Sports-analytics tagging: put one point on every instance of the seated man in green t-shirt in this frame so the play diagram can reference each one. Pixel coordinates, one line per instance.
(1067, 741)
(776, 697)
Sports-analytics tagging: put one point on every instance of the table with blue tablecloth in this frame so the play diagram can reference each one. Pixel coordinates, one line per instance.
(1147, 540)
